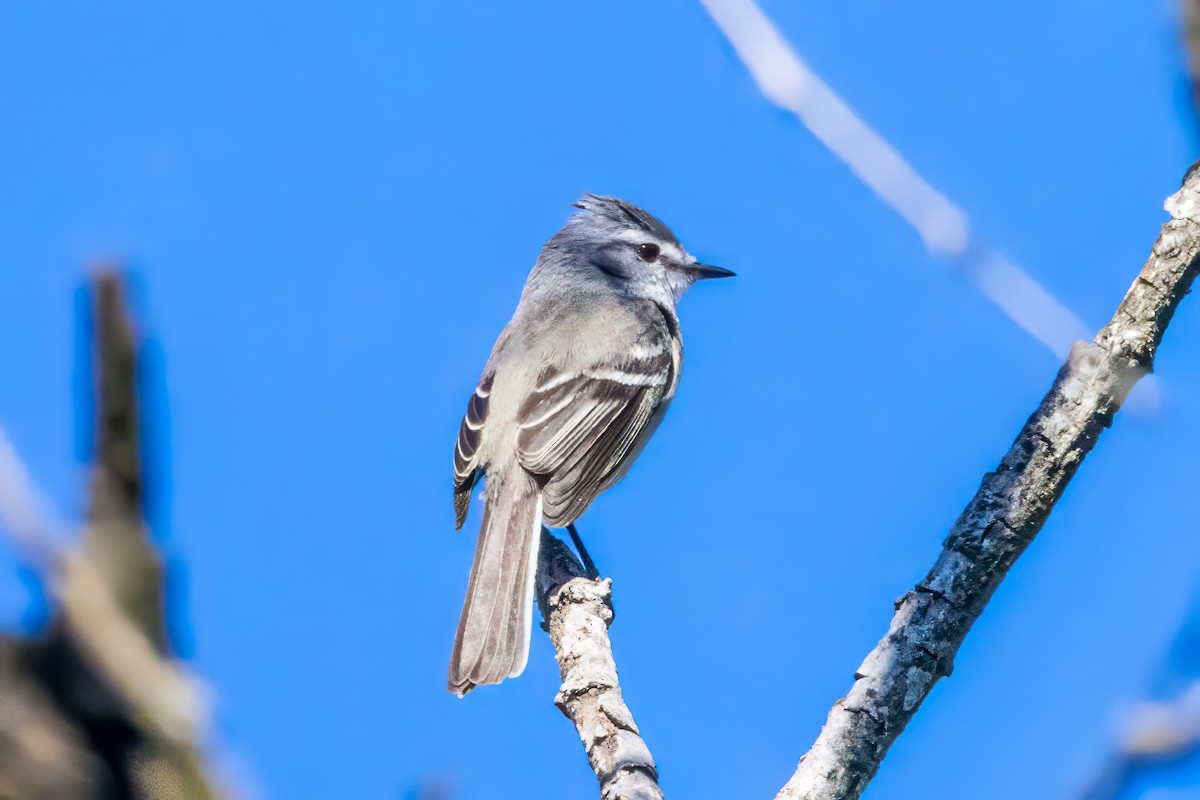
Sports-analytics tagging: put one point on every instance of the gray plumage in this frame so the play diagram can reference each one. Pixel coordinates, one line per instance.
(576, 384)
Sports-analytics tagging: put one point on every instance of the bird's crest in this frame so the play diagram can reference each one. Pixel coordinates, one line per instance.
(625, 215)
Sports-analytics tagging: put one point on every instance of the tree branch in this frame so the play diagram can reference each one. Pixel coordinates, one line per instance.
(115, 538)
(577, 614)
(1011, 506)
(98, 686)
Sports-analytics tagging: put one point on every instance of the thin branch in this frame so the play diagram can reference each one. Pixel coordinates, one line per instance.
(578, 612)
(1005, 515)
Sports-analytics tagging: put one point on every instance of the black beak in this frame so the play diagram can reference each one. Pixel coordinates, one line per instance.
(703, 271)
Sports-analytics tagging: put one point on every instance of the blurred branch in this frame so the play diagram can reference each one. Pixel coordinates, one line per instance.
(578, 612)
(1158, 733)
(115, 537)
(1011, 506)
(1191, 45)
(98, 686)
(944, 227)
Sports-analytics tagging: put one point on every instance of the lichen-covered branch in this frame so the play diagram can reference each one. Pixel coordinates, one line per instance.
(578, 612)
(1005, 515)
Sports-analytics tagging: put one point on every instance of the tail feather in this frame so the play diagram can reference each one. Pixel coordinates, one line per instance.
(492, 642)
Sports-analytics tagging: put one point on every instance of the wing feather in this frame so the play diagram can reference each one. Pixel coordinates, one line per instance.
(577, 429)
(470, 433)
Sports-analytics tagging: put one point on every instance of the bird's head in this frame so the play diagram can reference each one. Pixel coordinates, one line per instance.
(630, 249)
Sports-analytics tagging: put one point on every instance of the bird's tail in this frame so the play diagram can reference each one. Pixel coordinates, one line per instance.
(492, 642)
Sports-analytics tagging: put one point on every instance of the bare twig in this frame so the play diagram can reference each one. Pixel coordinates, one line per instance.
(578, 612)
(1002, 519)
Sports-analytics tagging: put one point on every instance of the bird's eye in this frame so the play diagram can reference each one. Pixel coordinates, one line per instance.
(647, 252)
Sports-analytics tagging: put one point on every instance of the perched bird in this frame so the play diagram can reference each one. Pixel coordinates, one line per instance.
(575, 386)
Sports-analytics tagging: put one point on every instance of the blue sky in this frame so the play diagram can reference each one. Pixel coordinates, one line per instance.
(330, 212)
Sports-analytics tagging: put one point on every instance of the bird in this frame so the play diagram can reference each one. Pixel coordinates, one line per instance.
(575, 386)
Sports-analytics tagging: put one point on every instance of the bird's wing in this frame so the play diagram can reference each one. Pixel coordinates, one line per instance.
(469, 434)
(577, 427)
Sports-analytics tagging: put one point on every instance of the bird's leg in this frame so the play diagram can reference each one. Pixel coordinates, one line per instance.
(589, 566)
